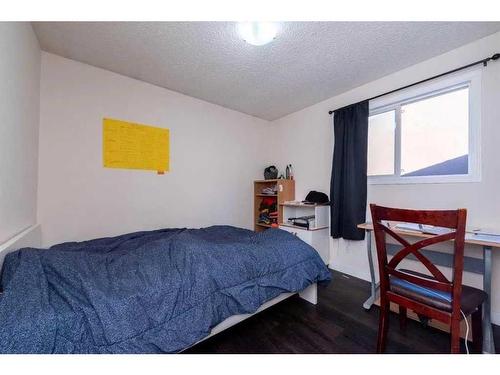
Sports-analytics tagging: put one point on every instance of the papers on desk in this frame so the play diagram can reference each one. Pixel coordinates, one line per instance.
(479, 235)
(429, 229)
(476, 235)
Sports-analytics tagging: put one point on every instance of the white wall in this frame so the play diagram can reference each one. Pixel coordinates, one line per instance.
(306, 141)
(19, 111)
(215, 154)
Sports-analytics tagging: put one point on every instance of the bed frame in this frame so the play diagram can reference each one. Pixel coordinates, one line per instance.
(31, 237)
(310, 294)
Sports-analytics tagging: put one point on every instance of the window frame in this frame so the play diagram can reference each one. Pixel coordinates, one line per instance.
(394, 102)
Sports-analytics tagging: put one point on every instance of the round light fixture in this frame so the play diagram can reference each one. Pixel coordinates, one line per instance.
(257, 33)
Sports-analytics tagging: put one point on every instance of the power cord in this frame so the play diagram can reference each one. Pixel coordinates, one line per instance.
(465, 318)
(466, 331)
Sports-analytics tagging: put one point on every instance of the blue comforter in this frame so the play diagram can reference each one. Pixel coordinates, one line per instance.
(147, 292)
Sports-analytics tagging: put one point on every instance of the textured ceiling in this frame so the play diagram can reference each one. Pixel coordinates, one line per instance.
(307, 62)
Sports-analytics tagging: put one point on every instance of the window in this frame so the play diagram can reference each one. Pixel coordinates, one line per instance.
(381, 143)
(429, 133)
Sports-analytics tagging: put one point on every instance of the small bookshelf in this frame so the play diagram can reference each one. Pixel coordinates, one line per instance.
(285, 191)
(321, 214)
(317, 235)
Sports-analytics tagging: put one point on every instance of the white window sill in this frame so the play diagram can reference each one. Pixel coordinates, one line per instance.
(396, 180)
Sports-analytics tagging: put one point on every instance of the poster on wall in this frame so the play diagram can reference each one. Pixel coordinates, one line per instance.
(128, 145)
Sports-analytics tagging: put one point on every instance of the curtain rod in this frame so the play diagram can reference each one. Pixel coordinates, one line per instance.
(496, 56)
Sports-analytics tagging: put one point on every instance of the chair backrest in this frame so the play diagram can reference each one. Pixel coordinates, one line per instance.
(451, 219)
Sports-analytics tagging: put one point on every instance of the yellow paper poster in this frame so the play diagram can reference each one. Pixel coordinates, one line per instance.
(135, 146)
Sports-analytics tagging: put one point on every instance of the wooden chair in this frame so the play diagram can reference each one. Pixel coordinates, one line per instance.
(432, 296)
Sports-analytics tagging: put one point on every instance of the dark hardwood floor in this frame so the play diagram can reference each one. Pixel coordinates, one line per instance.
(337, 324)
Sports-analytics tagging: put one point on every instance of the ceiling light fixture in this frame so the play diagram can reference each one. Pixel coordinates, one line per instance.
(257, 33)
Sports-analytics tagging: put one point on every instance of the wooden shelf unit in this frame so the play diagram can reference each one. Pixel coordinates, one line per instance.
(286, 192)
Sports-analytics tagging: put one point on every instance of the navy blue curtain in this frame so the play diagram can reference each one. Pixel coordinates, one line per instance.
(348, 181)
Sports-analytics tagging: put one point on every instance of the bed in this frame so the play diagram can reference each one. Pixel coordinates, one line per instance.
(148, 292)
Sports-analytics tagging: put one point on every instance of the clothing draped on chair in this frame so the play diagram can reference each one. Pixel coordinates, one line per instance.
(348, 180)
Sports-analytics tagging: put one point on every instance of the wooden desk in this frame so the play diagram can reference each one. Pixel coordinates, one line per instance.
(488, 343)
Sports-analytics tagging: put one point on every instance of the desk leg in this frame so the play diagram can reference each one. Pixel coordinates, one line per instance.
(369, 302)
(488, 343)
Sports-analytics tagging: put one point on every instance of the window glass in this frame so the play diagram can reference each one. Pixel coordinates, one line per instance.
(381, 136)
(435, 135)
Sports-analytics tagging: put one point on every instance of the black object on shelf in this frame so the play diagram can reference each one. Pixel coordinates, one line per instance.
(271, 173)
(316, 197)
(302, 221)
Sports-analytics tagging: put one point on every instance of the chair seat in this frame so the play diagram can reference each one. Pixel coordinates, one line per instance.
(470, 299)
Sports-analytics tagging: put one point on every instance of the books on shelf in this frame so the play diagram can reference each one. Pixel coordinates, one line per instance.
(270, 190)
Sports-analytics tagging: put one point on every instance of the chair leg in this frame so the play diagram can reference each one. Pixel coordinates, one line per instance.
(455, 336)
(402, 318)
(383, 326)
(477, 329)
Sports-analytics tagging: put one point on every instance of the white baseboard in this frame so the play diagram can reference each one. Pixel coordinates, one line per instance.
(495, 318)
(356, 272)
(30, 237)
